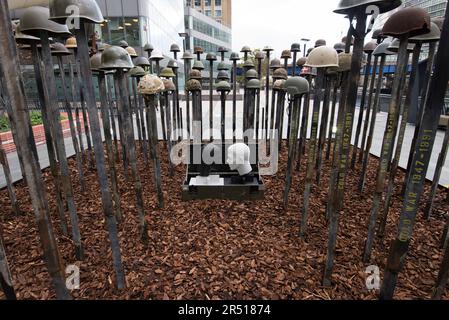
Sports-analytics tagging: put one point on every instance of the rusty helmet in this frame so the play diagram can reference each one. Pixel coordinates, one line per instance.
(36, 19)
(211, 57)
(222, 50)
(150, 84)
(406, 23)
(187, 56)
(24, 38)
(279, 85)
(280, 73)
(268, 49)
(195, 74)
(174, 48)
(377, 34)
(301, 61)
(433, 36)
(87, 10)
(348, 6)
(322, 57)
(286, 54)
(95, 62)
(156, 56)
(193, 85)
(123, 44)
(246, 49)
(345, 39)
(295, 47)
(198, 49)
(132, 52)
(370, 47)
(70, 43)
(260, 55)
(142, 62)
(169, 86)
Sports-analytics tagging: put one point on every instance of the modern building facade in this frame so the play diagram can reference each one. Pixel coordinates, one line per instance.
(219, 10)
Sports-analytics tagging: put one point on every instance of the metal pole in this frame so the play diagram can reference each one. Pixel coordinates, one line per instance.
(234, 100)
(211, 99)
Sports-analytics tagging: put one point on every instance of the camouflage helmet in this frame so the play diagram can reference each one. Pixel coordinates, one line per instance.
(234, 57)
(24, 38)
(296, 86)
(223, 86)
(132, 52)
(223, 75)
(211, 57)
(253, 84)
(195, 74)
(198, 49)
(198, 65)
(116, 58)
(348, 6)
(408, 22)
(286, 54)
(58, 49)
(36, 19)
(123, 44)
(370, 47)
(245, 49)
(136, 72)
(382, 49)
(150, 85)
(296, 47)
(174, 48)
(260, 55)
(280, 73)
(340, 47)
(167, 73)
(248, 64)
(142, 62)
(433, 36)
(344, 62)
(169, 86)
(301, 61)
(279, 85)
(87, 11)
(95, 62)
(322, 57)
(275, 64)
(222, 66)
(148, 48)
(320, 43)
(156, 56)
(251, 74)
(187, 56)
(193, 85)
(172, 64)
(394, 46)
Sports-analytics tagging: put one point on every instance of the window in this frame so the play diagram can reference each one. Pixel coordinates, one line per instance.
(207, 3)
(132, 27)
(208, 13)
(218, 13)
(217, 3)
(198, 3)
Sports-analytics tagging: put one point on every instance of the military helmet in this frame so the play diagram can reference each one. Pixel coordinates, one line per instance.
(174, 48)
(382, 49)
(167, 73)
(222, 66)
(275, 64)
(246, 49)
(132, 52)
(234, 56)
(87, 10)
(439, 22)
(58, 49)
(260, 55)
(211, 57)
(123, 44)
(223, 86)
(103, 46)
(24, 38)
(345, 39)
(193, 85)
(309, 51)
(142, 62)
(280, 73)
(95, 62)
(198, 49)
(332, 71)
(433, 36)
(344, 62)
(172, 64)
(253, 84)
(268, 49)
(340, 47)
(322, 57)
(279, 85)
(301, 61)
(198, 65)
(408, 22)
(71, 43)
(148, 48)
(36, 19)
(348, 6)
(187, 56)
(286, 54)
(195, 74)
(248, 64)
(377, 34)
(116, 58)
(296, 47)
(150, 85)
(296, 86)
(394, 46)
(251, 74)
(222, 49)
(223, 75)
(169, 86)
(156, 56)
(320, 43)
(370, 47)
(136, 72)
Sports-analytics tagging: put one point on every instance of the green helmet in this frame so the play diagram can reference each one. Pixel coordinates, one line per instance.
(344, 62)
(58, 49)
(260, 55)
(433, 36)
(116, 58)
(36, 19)
(142, 62)
(340, 47)
(280, 73)
(87, 10)
(253, 84)
(223, 75)
(148, 48)
(150, 85)
(275, 64)
(382, 49)
(198, 65)
(251, 74)
(439, 22)
(175, 48)
(320, 43)
(172, 64)
(296, 86)
(279, 85)
(136, 72)
(223, 86)
(193, 85)
(211, 57)
(222, 66)
(195, 74)
(408, 22)
(167, 73)
(322, 57)
(349, 6)
(169, 86)
(95, 62)
(296, 47)
(222, 49)
(23, 38)
(234, 57)
(249, 64)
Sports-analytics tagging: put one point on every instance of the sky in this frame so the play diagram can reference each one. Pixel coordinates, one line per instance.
(279, 23)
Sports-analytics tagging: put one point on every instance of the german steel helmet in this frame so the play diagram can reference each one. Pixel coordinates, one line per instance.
(150, 85)
(234, 57)
(248, 64)
(197, 50)
(439, 22)
(223, 86)
(268, 49)
(222, 66)
(433, 36)
(309, 51)
(148, 48)
(251, 74)
(348, 6)
(279, 85)
(172, 64)
(169, 86)
(246, 49)
(320, 43)
(296, 86)
(136, 72)
(344, 62)
(174, 48)
(286, 54)
(394, 46)
(187, 56)
(296, 47)
(116, 58)
(253, 84)
(95, 62)
(301, 61)
(198, 65)
(35, 19)
(211, 57)
(340, 47)
(103, 46)
(71, 43)
(24, 38)
(223, 75)
(193, 85)
(382, 49)
(142, 62)
(195, 74)
(345, 39)
(58, 49)
(132, 52)
(123, 44)
(167, 73)
(156, 56)
(408, 22)
(370, 47)
(322, 57)
(260, 55)
(87, 10)
(275, 64)
(222, 49)
(280, 73)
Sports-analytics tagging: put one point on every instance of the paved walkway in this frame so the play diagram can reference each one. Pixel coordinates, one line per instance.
(376, 148)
